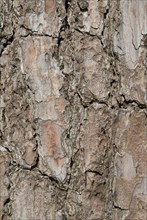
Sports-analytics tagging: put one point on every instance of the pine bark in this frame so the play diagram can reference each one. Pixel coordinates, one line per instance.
(73, 110)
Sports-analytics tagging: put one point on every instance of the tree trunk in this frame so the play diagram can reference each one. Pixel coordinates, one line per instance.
(73, 110)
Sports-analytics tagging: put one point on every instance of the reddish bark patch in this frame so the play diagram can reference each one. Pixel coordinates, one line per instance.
(57, 161)
(49, 6)
(51, 142)
(30, 55)
(101, 144)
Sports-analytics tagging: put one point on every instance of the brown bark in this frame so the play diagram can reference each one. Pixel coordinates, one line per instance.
(73, 110)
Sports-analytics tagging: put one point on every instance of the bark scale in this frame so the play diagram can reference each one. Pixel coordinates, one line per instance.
(73, 109)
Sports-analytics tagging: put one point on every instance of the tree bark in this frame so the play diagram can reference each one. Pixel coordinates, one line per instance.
(73, 108)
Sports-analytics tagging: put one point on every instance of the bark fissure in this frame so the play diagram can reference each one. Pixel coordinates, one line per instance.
(73, 110)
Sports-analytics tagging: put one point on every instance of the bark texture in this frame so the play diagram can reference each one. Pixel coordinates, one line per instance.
(73, 110)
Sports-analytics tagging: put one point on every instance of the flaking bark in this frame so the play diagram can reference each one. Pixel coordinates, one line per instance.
(73, 107)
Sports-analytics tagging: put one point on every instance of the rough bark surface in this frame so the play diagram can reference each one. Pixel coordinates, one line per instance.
(73, 110)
